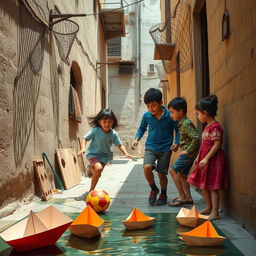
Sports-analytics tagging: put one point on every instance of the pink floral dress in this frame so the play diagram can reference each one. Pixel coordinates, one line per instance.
(214, 176)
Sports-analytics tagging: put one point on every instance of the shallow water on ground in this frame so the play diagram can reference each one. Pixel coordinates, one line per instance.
(160, 239)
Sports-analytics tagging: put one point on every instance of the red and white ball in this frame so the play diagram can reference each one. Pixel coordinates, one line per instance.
(99, 200)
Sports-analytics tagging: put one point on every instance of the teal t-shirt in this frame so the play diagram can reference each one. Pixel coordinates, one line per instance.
(101, 143)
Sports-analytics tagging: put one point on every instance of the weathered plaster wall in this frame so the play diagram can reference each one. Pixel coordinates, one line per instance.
(44, 104)
(232, 78)
(232, 66)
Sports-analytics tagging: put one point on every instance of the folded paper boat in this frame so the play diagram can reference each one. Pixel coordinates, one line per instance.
(88, 224)
(37, 230)
(137, 220)
(190, 218)
(203, 235)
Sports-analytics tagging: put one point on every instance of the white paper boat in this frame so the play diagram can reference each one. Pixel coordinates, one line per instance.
(37, 230)
(190, 218)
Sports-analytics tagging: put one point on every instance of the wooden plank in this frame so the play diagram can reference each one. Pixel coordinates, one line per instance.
(76, 168)
(163, 51)
(43, 179)
(84, 168)
(69, 167)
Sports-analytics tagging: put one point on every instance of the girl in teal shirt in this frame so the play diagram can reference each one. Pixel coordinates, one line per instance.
(102, 136)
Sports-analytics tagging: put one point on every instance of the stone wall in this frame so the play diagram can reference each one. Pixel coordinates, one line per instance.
(232, 78)
(34, 115)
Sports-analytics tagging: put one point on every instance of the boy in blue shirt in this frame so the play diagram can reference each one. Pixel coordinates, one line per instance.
(158, 147)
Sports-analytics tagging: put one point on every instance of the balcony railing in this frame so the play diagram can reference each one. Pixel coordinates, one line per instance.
(173, 37)
(112, 16)
(111, 4)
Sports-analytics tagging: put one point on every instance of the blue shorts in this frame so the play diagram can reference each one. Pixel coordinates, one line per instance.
(183, 164)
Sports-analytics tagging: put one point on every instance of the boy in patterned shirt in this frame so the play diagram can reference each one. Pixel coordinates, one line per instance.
(189, 144)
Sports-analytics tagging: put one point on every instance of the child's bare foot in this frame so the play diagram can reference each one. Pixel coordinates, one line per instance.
(214, 217)
(205, 211)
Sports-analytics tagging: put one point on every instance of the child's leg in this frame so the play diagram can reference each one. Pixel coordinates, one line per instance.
(186, 187)
(179, 172)
(178, 183)
(163, 160)
(96, 169)
(208, 202)
(149, 174)
(215, 204)
(163, 180)
(148, 165)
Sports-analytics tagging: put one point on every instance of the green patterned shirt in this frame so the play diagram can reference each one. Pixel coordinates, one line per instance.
(189, 139)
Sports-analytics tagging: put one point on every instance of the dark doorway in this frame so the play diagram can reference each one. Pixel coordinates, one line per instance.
(204, 53)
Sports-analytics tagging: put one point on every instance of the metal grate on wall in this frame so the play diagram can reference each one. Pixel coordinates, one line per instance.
(126, 67)
(114, 47)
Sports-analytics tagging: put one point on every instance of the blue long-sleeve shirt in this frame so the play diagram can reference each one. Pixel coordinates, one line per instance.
(160, 132)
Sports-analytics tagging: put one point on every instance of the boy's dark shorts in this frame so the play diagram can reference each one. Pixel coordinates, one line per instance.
(162, 158)
(183, 164)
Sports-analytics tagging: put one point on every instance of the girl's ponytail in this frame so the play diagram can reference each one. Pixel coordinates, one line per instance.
(214, 99)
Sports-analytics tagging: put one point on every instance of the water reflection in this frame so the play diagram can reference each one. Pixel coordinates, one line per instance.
(182, 229)
(49, 251)
(86, 244)
(194, 251)
(139, 235)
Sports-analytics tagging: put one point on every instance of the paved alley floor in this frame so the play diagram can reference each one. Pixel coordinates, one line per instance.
(124, 181)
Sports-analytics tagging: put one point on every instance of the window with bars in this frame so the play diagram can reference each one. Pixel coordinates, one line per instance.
(114, 48)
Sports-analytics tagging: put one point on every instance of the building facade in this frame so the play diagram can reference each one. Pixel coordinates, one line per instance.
(223, 63)
(40, 59)
(132, 71)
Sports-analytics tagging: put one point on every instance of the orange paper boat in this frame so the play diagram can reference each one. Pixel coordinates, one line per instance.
(190, 218)
(88, 224)
(137, 220)
(37, 230)
(203, 235)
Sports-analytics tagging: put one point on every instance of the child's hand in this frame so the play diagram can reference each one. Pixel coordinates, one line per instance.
(174, 147)
(134, 144)
(130, 157)
(81, 152)
(203, 163)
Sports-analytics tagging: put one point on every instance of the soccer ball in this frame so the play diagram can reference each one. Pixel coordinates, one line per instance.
(99, 200)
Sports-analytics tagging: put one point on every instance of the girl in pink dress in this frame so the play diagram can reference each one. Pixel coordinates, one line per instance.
(210, 173)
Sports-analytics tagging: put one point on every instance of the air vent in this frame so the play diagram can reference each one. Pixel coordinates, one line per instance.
(126, 68)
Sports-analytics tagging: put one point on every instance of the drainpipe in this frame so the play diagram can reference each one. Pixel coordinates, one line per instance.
(139, 49)
(168, 18)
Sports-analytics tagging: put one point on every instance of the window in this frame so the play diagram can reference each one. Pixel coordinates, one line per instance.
(114, 48)
(151, 68)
